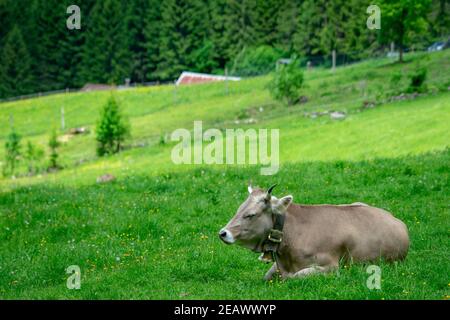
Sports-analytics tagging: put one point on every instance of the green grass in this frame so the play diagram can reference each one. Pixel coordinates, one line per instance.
(156, 111)
(153, 232)
(156, 237)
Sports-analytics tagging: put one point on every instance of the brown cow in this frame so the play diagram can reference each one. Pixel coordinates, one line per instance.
(314, 238)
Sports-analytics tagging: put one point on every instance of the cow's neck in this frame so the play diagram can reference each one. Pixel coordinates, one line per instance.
(272, 240)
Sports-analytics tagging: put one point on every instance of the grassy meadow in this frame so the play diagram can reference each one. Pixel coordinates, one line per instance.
(152, 233)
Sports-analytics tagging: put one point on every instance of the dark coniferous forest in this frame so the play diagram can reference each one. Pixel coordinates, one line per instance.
(153, 40)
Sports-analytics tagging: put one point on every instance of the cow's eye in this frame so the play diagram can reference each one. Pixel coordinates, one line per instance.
(250, 215)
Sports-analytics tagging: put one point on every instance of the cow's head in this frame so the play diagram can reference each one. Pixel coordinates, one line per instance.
(253, 220)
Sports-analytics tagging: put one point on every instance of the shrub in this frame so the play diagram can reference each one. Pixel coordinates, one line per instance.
(112, 129)
(287, 82)
(12, 153)
(32, 156)
(54, 144)
(255, 61)
(394, 82)
(417, 80)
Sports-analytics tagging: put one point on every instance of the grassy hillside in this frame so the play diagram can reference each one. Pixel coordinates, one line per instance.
(157, 224)
(156, 111)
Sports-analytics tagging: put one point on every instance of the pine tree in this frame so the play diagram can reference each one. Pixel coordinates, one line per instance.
(151, 30)
(12, 153)
(325, 26)
(173, 45)
(266, 21)
(333, 32)
(50, 26)
(112, 129)
(32, 156)
(4, 18)
(359, 40)
(200, 48)
(54, 144)
(216, 32)
(287, 25)
(239, 26)
(183, 32)
(70, 52)
(106, 55)
(15, 66)
(310, 23)
(136, 25)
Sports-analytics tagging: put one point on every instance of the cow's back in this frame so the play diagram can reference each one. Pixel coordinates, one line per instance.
(358, 231)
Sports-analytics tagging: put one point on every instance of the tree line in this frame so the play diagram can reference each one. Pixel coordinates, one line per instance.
(153, 40)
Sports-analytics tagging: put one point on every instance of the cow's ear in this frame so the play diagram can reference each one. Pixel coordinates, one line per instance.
(286, 201)
(250, 189)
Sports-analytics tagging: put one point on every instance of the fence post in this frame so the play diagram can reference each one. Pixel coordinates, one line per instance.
(363, 87)
(11, 121)
(175, 92)
(63, 123)
(226, 80)
(333, 58)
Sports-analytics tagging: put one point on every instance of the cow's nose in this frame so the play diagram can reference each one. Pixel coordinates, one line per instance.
(226, 236)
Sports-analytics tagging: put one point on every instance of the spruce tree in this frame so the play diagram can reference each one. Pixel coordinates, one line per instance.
(32, 156)
(172, 42)
(216, 33)
(50, 26)
(15, 66)
(70, 52)
(183, 30)
(112, 129)
(333, 31)
(151, 30)
(286, 26)
(266, 21)
(12, 153)
(106, 56)
(359, 40)
(200, 48)
(136, 25)
(54, 144)
(240, 24)
(310, 23)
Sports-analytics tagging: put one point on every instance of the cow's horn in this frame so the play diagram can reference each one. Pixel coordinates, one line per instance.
(269, 191)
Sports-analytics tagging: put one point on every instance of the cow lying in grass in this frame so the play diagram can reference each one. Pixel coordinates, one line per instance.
(307, 239)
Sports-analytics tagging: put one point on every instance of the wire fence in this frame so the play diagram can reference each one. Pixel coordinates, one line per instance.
(87, 88)
(329, 61)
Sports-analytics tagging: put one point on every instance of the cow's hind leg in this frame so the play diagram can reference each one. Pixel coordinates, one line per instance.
(271, 272)
(309, 271)
(325, 264)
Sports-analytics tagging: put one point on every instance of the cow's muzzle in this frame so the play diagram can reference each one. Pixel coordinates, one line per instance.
(226, 236)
